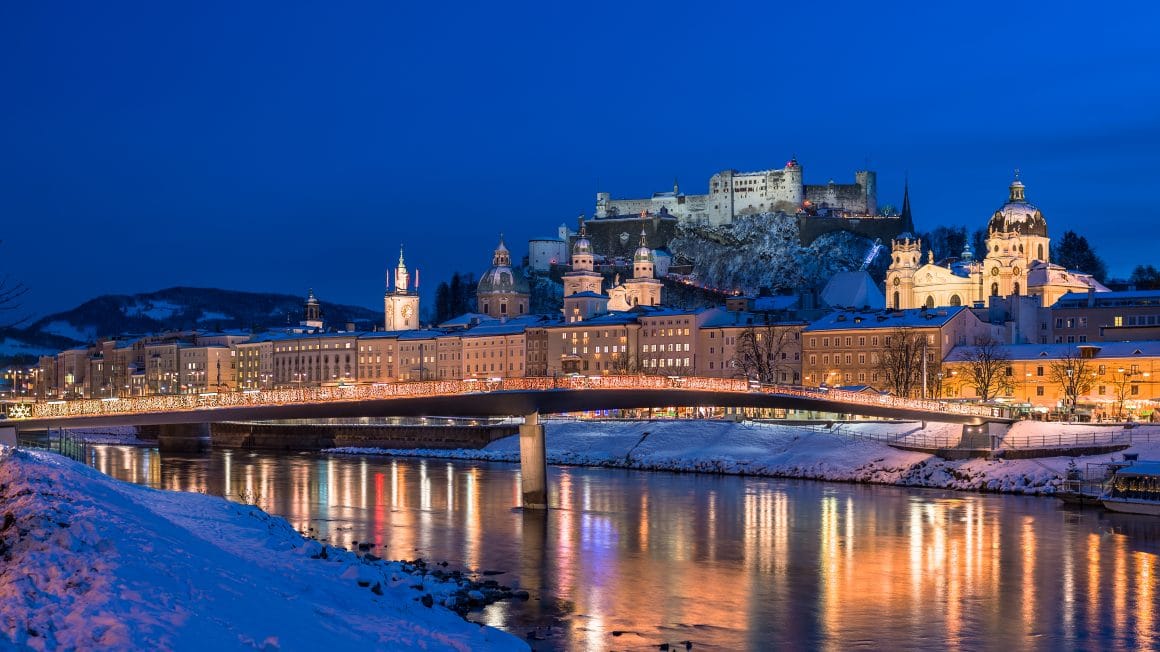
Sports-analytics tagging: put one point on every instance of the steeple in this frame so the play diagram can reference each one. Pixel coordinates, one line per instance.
(402, 278)
(676, 186)
(907, 220)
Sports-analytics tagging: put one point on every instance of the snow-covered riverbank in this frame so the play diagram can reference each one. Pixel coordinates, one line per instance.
(787, 451)
(93, 563)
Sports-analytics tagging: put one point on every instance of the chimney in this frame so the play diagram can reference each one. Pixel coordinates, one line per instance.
(1091, 296)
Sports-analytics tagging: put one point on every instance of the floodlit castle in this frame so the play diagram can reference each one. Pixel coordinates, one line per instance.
(733, 193)
(1014, 264)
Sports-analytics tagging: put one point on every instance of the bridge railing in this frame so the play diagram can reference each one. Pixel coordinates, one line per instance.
(382, 391)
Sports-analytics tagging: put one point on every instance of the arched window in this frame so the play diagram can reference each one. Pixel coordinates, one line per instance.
(487, 308)
(1016, 288)
(930, 302)
(994, 289)
(955, 300)
(1040, 257)
(896, 304)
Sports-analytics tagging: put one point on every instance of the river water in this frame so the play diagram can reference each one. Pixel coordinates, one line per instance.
(629, 560)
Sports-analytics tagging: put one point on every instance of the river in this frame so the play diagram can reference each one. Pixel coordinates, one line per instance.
(629, 560)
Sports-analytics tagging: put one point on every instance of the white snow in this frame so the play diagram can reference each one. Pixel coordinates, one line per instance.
(214, 316)
(851, 453)
(66, 329)
(94, 563)
(159, 310)
(12, 346)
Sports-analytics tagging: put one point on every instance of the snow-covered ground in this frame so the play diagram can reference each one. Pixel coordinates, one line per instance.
(790, 451)
(93, 563)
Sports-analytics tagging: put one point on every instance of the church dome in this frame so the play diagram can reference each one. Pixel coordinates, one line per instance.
(1018, 216)
(582, 246)
(500, 278)
(643, 255)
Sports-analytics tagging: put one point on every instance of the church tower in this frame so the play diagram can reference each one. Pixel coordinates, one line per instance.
(583, 277)
(312, 313)
(905, 259)
(401, 307)
(643, 289)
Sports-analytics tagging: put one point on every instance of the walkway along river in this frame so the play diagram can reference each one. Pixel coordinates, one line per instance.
(630, 560)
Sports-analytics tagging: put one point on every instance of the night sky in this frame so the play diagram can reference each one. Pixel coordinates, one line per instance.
(282, 146)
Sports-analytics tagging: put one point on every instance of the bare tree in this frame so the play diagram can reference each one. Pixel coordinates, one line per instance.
(11, 291)
(985, 368)
(763, 353)
(1122, 381)
(900, 362)
(1073, 375)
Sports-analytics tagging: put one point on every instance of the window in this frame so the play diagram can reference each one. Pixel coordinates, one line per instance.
(1135, 390)
(1038, 371)
(1039, 390)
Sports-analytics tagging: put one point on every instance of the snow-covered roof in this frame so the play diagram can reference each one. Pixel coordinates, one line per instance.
(1103, 350)
(871, 319)
(587, 294)
(722, 318)
(1107, 299)
(853, 290)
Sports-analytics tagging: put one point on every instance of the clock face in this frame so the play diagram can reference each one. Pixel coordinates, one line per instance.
(994, 271)
(407, 312)
(897, 281)
(1015, 271)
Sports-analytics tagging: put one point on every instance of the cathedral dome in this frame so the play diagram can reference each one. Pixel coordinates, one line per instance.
(582, 245)
(500, 278)
(1018, 216)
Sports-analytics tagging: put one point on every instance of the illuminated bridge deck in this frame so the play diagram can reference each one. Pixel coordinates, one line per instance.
(507, 397)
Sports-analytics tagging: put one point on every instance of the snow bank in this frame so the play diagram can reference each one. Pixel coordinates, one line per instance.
(93, 563)
(777, 450)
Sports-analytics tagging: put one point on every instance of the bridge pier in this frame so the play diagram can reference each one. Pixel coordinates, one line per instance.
(533, 463)
(184, 438)
(986, 435)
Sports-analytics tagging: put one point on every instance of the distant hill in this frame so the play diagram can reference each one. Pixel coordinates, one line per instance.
(179, 308)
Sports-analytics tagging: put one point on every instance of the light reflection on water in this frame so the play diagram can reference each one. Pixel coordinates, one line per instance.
(628, 560)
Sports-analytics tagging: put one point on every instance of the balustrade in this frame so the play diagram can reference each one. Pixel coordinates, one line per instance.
(386, 391)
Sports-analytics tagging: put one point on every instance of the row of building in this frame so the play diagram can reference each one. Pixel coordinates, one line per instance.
(1039, 320)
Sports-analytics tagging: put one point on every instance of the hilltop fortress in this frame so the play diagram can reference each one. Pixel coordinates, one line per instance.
(733, 193)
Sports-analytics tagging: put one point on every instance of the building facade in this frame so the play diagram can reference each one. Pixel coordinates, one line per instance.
(733, 193)
(1014, 264)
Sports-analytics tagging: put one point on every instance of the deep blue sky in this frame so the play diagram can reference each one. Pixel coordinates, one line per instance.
(281, 146)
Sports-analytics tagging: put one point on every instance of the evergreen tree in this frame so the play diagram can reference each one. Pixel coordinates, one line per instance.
(1074, 253)
(1145, 277)
(442, 303)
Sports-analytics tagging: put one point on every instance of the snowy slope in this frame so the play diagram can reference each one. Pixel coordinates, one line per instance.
(93, 563)
(784, 451)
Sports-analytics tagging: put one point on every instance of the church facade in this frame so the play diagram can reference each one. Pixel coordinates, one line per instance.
(1015, 263)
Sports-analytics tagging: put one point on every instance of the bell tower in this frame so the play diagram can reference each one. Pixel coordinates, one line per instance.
(905, 259)
(401, 306)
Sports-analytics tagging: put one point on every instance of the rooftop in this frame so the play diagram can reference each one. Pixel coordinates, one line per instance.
(872, 319)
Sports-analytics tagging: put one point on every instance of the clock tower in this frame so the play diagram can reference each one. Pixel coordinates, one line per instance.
(401, 307)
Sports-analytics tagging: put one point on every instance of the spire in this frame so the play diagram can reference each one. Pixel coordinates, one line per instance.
(401, 263)
(907, 220)
(1016, 188)
(676, 186)
(643, 239)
